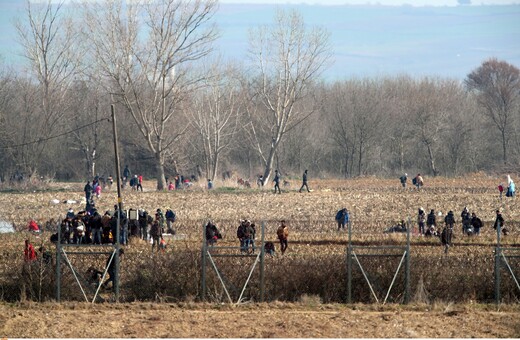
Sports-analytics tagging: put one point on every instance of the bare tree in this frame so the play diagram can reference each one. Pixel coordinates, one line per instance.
(215, 115)
(287, 58)
(356, 117)
(497, 88)
(144, 51)
(341, 127)
(48, 42)
(431, 105)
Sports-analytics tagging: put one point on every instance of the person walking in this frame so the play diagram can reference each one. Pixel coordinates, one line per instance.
(126, 174)
(304, 182)
(499, 223)
(403, 180)
(140, 183)
(282, 234)
(276, 181)
(88, 191)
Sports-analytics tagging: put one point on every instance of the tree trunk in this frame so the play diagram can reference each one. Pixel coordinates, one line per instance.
(214, 167)
(269, 162)
(504, 146)
(161, 180)
(345, 174)
(360, 158)
(432, 160)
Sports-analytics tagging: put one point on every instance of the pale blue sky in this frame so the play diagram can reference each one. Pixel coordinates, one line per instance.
(446, 40)
(375, 2)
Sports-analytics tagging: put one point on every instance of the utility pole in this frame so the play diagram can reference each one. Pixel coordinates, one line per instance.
(119, 201)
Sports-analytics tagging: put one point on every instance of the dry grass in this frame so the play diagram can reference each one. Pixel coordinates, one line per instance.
(314, 265)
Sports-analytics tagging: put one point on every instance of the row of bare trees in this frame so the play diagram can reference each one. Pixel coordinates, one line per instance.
(183, 109)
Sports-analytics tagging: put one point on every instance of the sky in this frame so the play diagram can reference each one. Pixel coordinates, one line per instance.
(431, 38)
(376, 2)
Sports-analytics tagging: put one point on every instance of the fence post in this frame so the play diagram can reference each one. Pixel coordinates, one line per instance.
(497, 265)
(349, 264)
(407, 265)
(58, 266)
(262, 258)
(203, 263)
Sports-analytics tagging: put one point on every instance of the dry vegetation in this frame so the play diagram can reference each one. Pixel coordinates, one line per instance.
(312, 273)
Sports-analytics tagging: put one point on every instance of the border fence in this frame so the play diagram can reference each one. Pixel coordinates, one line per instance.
(344, 270)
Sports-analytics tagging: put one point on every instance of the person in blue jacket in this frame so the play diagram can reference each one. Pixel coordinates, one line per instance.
(342, 218)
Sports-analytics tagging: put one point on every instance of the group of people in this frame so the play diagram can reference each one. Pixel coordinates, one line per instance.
(417, 181)
(277, 179)
(180, 182)
(90, 227)
(135, 182)
(510, 190)
(246, 234)
(471, 223)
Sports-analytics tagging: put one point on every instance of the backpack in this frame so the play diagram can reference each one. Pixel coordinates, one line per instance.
(170, 215)
(280, 232)
(414, 181)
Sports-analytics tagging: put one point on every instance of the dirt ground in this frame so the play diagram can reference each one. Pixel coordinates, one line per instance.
(275, 320)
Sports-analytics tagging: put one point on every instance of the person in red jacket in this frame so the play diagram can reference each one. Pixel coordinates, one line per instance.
(33, 226)
(29, 252)
(139, 183)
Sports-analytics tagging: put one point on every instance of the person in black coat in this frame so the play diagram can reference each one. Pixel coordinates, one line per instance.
(500, 221)
(476, 223)
(304, 182)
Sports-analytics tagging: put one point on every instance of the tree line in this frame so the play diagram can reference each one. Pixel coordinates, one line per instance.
(181, 108)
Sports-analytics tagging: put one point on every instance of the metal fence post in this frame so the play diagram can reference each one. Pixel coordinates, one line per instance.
(58, 266)
(262, 258)
(349, 264)
(407, 265)
(203, 263)
(497, 266)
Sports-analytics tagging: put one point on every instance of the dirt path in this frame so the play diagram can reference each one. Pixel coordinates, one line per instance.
(276, 320)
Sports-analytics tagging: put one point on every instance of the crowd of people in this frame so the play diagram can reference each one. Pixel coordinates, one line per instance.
(88, 226)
